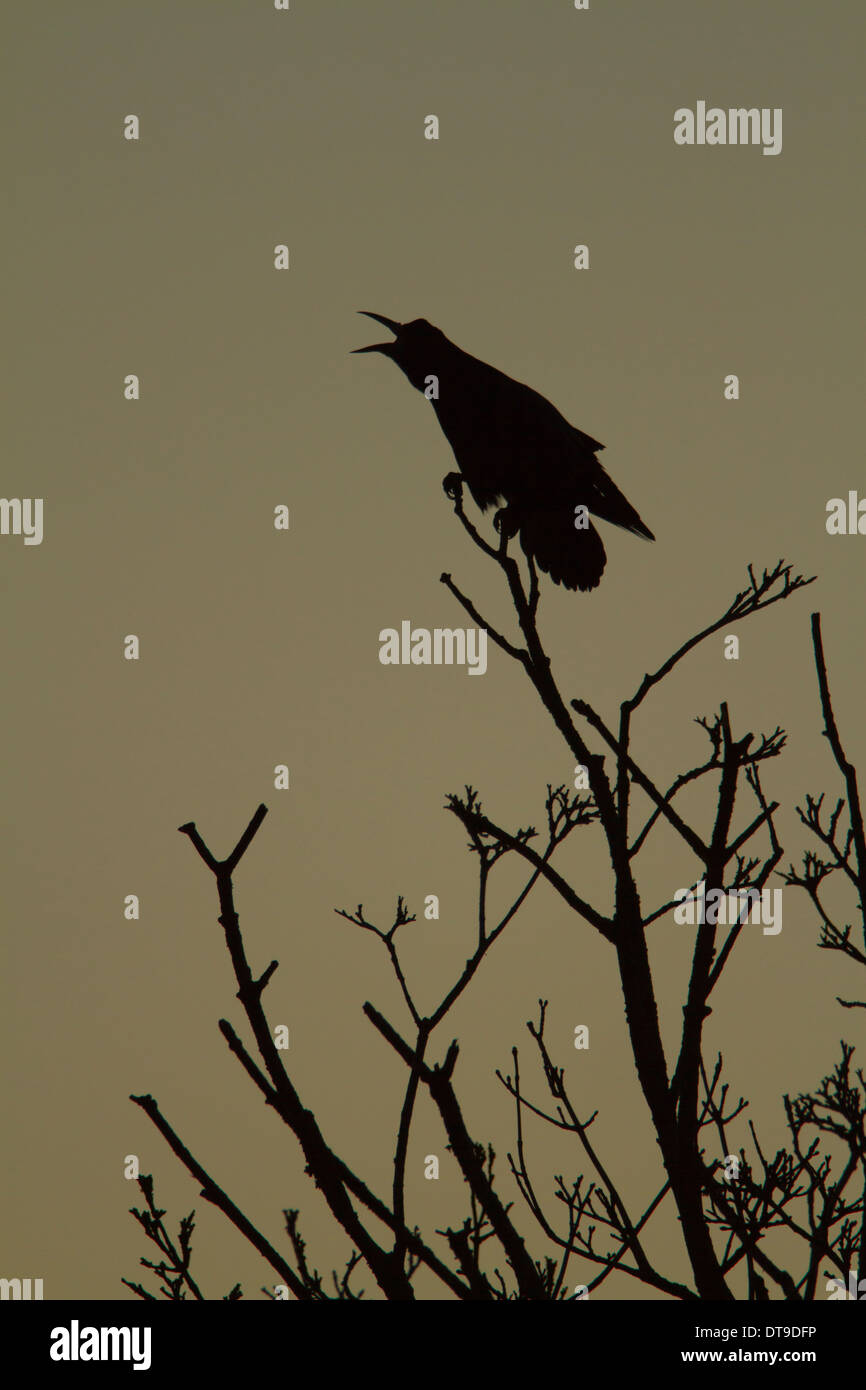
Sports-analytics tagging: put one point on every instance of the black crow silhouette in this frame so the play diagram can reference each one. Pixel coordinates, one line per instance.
(514, 448)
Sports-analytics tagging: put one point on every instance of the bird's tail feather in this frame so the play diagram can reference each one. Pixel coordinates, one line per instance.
(572, 557)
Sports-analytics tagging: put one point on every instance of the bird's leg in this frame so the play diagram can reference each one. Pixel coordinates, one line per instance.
(453, 485)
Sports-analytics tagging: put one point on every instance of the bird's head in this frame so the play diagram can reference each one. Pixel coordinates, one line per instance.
(416, 348)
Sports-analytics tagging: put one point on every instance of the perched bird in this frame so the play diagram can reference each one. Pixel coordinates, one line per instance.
(514, 448)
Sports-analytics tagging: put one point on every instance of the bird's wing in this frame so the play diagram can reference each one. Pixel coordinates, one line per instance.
(537, 409)
(511, 442)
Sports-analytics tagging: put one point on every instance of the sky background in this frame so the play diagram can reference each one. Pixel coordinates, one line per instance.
(260, 647)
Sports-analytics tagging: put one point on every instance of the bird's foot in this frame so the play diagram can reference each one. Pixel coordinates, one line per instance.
(506, 522)
(453, 485)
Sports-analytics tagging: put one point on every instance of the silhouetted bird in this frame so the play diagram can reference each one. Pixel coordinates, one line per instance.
(514, 447)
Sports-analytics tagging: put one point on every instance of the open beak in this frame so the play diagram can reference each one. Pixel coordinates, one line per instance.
(389, 323)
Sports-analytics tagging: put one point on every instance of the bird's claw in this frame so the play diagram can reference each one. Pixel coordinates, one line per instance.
(506, 523)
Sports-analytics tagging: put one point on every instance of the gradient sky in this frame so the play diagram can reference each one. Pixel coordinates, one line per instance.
(259, 648)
